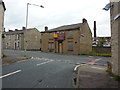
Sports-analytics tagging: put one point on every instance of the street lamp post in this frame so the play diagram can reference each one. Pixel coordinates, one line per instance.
(27, 15)
(27, 11)
(27, 20)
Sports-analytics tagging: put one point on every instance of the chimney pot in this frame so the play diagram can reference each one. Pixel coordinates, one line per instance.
(84, 20)
(4, 30)
(16, 29)
(10, 30)
(46, 28)
(23, 28)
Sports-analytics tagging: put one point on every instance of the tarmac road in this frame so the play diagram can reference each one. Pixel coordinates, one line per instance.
(44, 70)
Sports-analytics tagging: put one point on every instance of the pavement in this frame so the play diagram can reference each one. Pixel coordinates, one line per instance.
(95, 76)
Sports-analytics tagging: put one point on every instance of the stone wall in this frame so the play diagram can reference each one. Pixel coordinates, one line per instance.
(85, 39)
(82, 41)
(1, 27)
(32, 39)
(115, 29)
(101, 49)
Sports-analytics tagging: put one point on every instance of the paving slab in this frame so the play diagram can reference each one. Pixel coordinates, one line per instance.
(95, 76)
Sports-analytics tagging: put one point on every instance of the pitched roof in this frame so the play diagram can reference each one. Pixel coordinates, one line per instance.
(1, 2)
(65, 27)
(15, 32)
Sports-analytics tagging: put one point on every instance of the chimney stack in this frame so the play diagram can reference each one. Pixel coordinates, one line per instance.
(16, 29)
(84, 20)
(23, 28)
(46, 28)
(4, 30)
(95, 29)
(10, 30)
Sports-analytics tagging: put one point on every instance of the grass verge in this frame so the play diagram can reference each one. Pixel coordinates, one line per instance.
(10, 59)
(98, 54)
(116, 77)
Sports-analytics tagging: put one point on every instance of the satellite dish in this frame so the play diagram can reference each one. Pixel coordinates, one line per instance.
(107, 7)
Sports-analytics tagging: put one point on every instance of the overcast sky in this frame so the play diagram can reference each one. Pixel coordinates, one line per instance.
(57, 13)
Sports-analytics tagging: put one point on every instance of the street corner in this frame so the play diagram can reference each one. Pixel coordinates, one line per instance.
(14, 59)
(75, 77)
(76, 68)
(85, 71)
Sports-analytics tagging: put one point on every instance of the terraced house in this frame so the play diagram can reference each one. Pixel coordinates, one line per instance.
(67, 39)
(25, 39)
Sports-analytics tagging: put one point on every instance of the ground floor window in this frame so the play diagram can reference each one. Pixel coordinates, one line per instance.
(70, 46)
(51, 46)
(18, 44)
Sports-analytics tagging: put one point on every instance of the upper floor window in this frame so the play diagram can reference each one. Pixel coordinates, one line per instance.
(17, 37)
(70, 35)
(51, 36)
(9, 37)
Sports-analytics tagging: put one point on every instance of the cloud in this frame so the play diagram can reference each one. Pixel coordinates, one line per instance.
(57, 13)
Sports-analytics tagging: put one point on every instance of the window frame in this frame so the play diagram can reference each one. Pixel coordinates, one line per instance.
(70, 35)
(51, 46)
(70, 46)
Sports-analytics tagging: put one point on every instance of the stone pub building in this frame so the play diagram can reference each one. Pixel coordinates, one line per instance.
(67, 39)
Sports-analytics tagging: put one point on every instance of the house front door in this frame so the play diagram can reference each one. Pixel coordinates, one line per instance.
(60, 47)
(15, 47)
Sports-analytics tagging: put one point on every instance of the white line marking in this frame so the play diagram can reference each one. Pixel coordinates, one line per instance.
(21, 61)
(98, 68)
(76, 67)
(10, 73)
(44, 63)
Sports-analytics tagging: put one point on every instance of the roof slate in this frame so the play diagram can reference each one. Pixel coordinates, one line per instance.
(65, 27)
(17, 32)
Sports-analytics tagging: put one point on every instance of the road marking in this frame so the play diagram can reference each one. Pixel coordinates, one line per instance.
(98, 68)
(44, 63)
(93, 61)
(10, 73)
(32, 57)
(21, 61)
(90, 56)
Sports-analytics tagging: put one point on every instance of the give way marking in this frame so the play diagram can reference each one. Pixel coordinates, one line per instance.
(10, 74)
